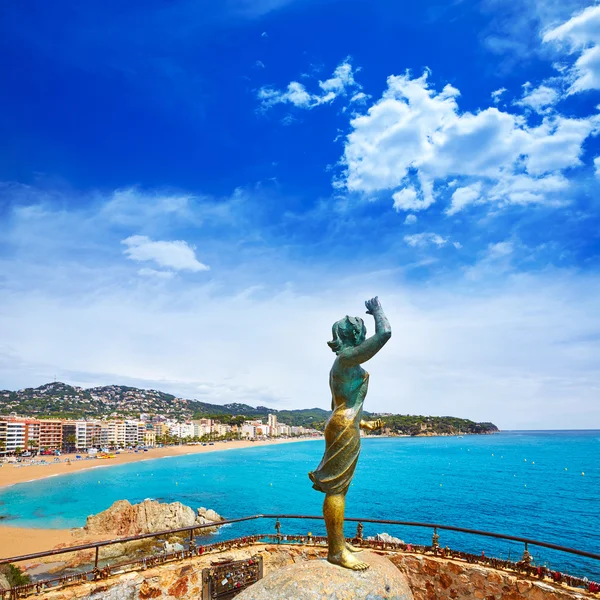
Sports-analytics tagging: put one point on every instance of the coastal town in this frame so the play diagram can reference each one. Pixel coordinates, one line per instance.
(26, 436)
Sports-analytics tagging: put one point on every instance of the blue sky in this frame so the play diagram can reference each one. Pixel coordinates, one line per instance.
(191, 193)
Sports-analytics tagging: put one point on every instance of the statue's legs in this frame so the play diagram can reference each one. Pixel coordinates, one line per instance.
(333, 511)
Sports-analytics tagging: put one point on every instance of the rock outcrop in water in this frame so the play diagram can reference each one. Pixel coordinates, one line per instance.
(149, 516)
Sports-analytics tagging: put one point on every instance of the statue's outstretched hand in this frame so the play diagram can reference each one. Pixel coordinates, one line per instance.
(372, 425)
(373, 305)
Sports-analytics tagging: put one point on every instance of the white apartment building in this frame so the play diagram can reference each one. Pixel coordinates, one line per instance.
(272, 425)
(3, 428)
(249, 431)
(132, 433)
(182, 430)
(15, 436)
(298, 430)
(284, 429)
(201, 430)
(141, 434)
(81, 435)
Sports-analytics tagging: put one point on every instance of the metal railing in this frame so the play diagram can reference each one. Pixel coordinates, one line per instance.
(524, 566)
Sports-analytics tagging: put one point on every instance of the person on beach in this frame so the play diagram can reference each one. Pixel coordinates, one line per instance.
(348, 382)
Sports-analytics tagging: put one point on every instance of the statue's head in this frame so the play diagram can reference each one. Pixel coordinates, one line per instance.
(349, 331)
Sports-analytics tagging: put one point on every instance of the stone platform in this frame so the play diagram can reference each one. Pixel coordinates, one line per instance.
(320, 580)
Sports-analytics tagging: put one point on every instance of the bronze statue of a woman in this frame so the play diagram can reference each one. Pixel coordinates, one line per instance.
(348, 382)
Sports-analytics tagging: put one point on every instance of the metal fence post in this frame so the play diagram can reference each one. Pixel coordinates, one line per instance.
(435, 540)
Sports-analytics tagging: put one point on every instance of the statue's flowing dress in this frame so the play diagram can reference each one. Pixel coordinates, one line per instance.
(342, 439)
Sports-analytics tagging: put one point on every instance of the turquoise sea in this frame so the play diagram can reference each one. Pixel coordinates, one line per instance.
(543, 485)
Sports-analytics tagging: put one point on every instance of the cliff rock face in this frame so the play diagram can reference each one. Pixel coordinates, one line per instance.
(149, 516)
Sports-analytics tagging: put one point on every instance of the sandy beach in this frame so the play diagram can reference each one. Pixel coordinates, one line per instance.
(15, 541)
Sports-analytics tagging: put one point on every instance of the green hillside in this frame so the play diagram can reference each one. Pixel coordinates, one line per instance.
(61, 400)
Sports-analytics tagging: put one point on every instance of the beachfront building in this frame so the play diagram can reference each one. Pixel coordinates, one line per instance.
(32, 435)
(285, 430)
(220, 429)
(51, 436)
(18, 434)
(272, 425)
(149, 436)
(160, 429)
(141, 434)
(80, 435)
(15, 436)
(93, 432)
(249, 431)
(254, 429)
(3, 430)
(182, 430)
(200, 429)
(69, 436)
(132, 433)
(301, 431)
(113, 434)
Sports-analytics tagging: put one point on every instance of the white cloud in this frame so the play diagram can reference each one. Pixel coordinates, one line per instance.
(396, 133)
(463, 196)
(340, 81)
(409, 199)
(145, 272)
(557, 144)
(597, 166)
(500, 249)
(414, 137)
(178, 255)
(337, 85)
(410, 220)
(360, 97)
(259, 64)
(295, 94)
(131, 206)
(514, 26)
(581, 33)
(497, 93)
(539, 99)
(421, 240)
(522, 189)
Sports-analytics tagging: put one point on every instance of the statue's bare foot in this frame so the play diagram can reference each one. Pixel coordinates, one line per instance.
(346, 560)
(352, 548)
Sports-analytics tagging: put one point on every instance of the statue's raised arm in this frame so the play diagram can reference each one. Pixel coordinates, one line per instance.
(367, 349)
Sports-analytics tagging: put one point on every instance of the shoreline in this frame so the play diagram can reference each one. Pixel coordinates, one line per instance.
(11, 475)
(17, 540)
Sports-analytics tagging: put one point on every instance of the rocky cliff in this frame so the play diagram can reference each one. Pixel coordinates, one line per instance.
(126, 519)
